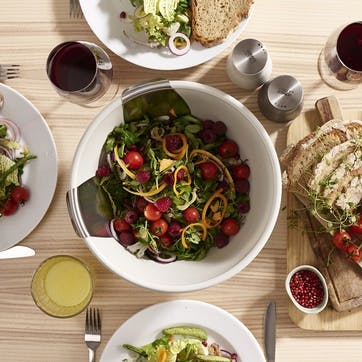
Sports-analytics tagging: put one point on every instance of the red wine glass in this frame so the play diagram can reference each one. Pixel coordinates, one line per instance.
(340, 62)
(80, 71)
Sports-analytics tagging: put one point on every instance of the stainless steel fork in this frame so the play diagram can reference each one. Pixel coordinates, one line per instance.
(93, 329)
(75, 11)
(9, 71)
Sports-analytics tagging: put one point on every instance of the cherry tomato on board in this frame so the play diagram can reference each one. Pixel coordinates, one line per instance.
(191, 215)
(357, 227)
(341, 239)
(230, 226)
(208, 170)
(19, 194)
(353, 253)
(228, 149)
(159, 227)
(152, 213)
(133, 160)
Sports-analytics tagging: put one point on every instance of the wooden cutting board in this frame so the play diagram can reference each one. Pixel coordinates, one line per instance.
(299, 243)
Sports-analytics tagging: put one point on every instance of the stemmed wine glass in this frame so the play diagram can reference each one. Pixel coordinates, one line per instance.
(340, 62)
(80, 71)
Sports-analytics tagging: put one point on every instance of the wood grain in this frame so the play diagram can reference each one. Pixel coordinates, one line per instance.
(294, 32)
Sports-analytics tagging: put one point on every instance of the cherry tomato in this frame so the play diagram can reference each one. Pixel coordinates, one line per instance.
(191, 215)
(341, 239)
(208, 170)
(230, 226)
(133, 160)
(352, 252)
(152, 213)
(19, 194)
(241, 172)
(159, 227)
(121, 225)
(357, 227)
(228, 149)
(9, 207)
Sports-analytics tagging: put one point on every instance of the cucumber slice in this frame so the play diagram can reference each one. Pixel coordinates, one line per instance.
(210, 358)
(186, 331)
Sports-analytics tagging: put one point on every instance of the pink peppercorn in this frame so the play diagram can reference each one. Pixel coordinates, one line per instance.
(123, 15)
(307, 288)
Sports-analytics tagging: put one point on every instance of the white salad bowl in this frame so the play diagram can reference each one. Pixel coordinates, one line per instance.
(265, 192)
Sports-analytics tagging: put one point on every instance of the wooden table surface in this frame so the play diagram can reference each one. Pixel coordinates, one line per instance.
(294, 32)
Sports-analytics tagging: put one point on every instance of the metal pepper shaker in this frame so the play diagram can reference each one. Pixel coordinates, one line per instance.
(249, 64)
(281, 99)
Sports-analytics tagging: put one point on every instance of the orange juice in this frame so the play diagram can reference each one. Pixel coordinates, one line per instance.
(62, 286)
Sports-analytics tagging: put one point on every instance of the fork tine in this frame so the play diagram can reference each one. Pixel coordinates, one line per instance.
(99, 321)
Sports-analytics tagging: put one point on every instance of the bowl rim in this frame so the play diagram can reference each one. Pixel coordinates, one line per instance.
(276, 192)
(323, 304)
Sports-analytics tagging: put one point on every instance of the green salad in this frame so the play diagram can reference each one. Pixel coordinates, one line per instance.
(165, 22)
(13, 157)
(177, 186)
(181, 344)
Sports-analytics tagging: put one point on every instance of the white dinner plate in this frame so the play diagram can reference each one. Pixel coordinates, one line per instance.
(221, 327)
(40, 174)
(103, 17)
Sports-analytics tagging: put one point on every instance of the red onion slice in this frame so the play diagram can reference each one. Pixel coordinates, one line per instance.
(13, 129)
(173, 47)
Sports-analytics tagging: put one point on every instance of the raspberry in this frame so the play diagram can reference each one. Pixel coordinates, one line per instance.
(163, 204)
(131, 217)
(221, 240)
(180, 175)
(173, 143)
(219, 128)
(244, 207)
(127, 238)
(143, 176)
(208, 136)
(169, 178)
(242, 186)
(208, 124)
(103, 171)
(174, 229)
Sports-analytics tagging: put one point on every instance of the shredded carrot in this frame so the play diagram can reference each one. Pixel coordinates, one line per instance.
(214, 200)
(162, 355)
(187, 182)
(197, 224)
(151, 192)
(218, 161)
(122, 164)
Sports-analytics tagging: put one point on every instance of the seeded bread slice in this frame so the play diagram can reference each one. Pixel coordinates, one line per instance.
(214, 20)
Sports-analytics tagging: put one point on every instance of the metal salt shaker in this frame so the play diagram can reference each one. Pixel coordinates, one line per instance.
(281, 99)
(249, 64)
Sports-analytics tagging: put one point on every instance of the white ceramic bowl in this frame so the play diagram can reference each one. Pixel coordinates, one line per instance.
(265, 194)
(324, 302)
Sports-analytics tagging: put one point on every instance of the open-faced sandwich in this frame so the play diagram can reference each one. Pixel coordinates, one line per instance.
(176, 23)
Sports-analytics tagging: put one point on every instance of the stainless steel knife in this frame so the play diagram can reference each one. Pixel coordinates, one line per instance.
(270, 331)
(17, 251)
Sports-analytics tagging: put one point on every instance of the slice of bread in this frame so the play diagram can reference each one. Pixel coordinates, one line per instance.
(214, 20)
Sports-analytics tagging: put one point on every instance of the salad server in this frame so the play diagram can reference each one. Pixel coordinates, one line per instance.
(270, 332)
(90, 218)
(17, 251)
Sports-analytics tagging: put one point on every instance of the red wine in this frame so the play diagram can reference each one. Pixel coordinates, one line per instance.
(349, 46)
(73, 67)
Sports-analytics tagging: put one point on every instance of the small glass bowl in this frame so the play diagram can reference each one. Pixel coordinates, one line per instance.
(324, 302)
(62, 286)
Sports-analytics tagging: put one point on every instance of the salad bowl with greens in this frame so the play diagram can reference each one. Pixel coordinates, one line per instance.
(178, 173)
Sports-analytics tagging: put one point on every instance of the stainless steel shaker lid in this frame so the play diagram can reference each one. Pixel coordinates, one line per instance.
(249, 56)
(285, 93)
(281, 99)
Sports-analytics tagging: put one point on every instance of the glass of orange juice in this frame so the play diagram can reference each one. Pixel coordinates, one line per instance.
(62, 286)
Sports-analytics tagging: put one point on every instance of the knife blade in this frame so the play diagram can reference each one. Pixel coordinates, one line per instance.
(270, 332)
(17, 251)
